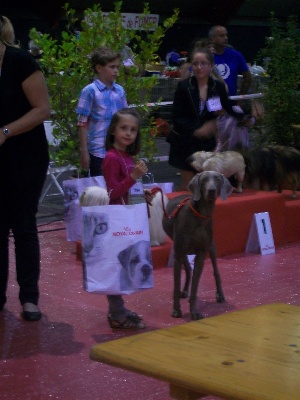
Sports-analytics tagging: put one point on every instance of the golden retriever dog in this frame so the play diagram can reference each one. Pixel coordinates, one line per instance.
(228, 163)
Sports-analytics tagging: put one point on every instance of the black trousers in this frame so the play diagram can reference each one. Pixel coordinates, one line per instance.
(21, 185)
(95, 165)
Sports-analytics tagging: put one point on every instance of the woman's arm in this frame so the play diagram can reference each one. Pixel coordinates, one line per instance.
(244, 119)
(84, 152)
(227, 104)
(36, 92)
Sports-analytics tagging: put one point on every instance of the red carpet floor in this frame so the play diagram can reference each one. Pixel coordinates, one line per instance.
(49, 359)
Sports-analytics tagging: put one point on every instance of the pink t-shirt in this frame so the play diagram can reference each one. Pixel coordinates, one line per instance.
(117, 166)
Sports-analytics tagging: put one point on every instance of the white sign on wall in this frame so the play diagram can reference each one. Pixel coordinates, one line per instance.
(137, 21)
(261, 236)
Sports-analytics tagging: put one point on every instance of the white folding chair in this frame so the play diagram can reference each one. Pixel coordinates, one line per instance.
(54, 172)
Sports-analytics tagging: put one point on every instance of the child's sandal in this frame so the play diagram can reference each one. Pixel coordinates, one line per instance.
(131, 321)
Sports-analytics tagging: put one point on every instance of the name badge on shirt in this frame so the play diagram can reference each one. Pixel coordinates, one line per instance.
(214, 104)
(137, 188)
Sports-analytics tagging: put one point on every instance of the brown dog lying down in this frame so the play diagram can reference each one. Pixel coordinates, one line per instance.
(228, 163)
(272, 167)
(191, 228)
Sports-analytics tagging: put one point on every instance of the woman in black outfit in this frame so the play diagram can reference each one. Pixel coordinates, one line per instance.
(197, 103)
(24, 159)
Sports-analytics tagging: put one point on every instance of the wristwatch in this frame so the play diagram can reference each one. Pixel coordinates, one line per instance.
(6, 131)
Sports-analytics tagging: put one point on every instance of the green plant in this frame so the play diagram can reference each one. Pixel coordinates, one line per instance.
(66, 62)
(282, 95)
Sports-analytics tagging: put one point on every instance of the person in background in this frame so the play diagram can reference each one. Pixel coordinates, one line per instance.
(37, 54)
(185, 69)
(121, 172)
(229, 62)
(24, 160)
(197, 103)
(172, 58)
(35, 50)
(208, 44)
(128, 58)
(97, 103)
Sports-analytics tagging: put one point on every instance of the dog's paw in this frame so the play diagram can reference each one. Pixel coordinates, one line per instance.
(176, 314)
(196, 315)
(184, 294)
(220, 298)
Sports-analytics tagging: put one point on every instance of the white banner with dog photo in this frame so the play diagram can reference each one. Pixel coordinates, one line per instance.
(73, 189)
(116, 249)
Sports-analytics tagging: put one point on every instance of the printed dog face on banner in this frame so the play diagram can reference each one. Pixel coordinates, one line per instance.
(95, 225)
(136, 266)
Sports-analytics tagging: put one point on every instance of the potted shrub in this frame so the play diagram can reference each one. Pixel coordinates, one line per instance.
(66, 62)
(282, 94)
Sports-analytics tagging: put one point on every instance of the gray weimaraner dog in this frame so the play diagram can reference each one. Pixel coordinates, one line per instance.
(189, 224)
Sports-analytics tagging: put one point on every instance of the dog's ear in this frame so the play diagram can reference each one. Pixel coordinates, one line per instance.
(124, 256)
(226, 188)
(194, 187)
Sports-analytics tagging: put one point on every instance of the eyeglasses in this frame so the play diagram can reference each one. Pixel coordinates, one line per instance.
(202, 65)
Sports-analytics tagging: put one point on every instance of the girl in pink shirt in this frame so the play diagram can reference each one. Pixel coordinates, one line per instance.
(120, 172)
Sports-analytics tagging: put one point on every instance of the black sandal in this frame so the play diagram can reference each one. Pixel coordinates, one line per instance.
(130, 321)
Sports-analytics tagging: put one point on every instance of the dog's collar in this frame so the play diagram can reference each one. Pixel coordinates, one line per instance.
(195, 212)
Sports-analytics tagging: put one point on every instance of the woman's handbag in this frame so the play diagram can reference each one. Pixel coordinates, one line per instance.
(73, 189)
(116, 249)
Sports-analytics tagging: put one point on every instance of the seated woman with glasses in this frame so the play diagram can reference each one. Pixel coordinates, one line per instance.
(198, 101)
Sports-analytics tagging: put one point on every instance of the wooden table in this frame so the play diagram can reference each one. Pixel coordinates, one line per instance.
(252, 354)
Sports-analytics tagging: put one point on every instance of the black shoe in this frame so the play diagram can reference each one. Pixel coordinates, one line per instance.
(31, 315)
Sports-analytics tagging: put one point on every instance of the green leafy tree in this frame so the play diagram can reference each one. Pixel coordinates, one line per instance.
(68, 70)
(282, 95)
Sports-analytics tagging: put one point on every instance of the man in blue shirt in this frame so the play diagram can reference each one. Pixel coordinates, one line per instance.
(229, 62)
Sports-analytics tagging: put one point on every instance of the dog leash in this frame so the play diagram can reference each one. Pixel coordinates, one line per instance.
(153, 191)
(195, 212)
(178, 208)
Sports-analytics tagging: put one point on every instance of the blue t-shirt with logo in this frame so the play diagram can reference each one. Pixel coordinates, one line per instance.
(229, 65)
